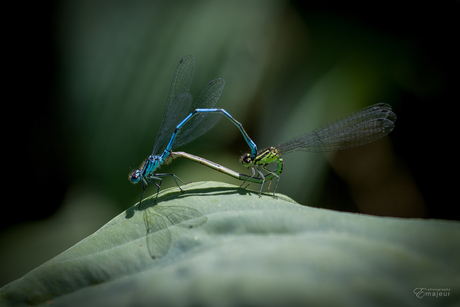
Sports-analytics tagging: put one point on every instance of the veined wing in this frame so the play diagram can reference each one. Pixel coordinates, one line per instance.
(359, 128)
(182, 216)
(201, 122)
(182, 79)
(180, 84)
(158, 235)
(178, 110)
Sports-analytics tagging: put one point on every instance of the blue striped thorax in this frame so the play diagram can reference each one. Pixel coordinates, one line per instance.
(148, 167)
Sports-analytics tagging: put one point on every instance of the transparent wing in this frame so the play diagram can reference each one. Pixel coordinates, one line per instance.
(182, 216)
(180, 84)
(182, 79)
(158, 235)
(359, 128)
(201, 122)
(177, 111)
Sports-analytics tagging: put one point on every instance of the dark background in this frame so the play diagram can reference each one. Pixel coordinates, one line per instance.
(88, 81)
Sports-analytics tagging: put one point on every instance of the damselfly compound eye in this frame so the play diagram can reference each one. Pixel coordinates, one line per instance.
(134, 176)
(246, 160)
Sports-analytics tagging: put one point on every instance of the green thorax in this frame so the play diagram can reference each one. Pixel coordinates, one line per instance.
(268, 156)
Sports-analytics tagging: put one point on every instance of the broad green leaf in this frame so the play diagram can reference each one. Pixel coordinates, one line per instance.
(246, 250)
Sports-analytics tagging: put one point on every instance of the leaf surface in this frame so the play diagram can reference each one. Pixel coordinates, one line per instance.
(249, 251)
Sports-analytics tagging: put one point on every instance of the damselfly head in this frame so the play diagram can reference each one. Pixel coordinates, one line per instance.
(246, 160)
(135, 176)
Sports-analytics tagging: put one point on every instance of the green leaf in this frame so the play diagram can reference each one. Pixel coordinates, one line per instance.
(249, 251)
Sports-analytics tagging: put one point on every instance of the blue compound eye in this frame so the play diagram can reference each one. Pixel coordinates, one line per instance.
(134, 177)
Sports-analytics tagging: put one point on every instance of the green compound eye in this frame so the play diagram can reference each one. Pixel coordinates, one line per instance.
(246, 160)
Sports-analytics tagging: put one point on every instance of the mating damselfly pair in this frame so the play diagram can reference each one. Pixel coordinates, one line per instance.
(184, 120)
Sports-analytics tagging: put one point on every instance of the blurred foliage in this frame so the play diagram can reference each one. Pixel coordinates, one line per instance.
(98, 80)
